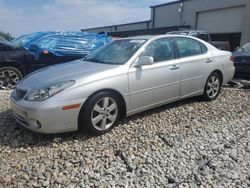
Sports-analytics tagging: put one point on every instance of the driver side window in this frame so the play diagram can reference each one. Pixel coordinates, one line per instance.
(160, 50)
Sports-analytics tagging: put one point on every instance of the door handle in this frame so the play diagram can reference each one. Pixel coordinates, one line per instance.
(209, 61)
(174, 67)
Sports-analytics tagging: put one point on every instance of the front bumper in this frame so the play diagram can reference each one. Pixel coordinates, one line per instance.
(44, 117)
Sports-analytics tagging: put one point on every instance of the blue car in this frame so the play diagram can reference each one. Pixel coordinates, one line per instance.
(242, 61)
(31, 52)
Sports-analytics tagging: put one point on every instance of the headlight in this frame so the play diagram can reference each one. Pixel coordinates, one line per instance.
(49, 91)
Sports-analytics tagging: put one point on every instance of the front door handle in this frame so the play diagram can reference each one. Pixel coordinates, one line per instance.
(209, 61)
(174, 67)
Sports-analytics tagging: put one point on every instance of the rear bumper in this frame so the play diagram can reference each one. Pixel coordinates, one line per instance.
(228, 74)
(242, 71)
(51, 119)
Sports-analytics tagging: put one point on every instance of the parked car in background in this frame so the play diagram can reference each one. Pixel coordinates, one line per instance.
(31, 52)
(242, 61)
(222, 45)
(122, 78)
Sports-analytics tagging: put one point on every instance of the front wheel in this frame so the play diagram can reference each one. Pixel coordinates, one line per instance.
(212, 87)
(9, 77)
(101, 113)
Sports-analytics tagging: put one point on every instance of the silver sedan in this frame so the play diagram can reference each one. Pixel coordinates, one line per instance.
(122, 78)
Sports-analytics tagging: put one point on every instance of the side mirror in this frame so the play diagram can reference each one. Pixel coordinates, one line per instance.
(144, 60)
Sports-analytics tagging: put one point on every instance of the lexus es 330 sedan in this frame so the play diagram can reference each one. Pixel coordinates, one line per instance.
(122, 78)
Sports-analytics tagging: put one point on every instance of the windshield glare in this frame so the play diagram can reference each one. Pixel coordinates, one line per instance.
(245, 48)
(117, 52)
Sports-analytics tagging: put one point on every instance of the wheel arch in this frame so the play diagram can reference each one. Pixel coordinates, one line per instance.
(14, 64)
(113, 91)
(219, 72)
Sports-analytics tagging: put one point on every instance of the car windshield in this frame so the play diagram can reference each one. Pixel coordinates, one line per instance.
(117, 52)
(245, 48)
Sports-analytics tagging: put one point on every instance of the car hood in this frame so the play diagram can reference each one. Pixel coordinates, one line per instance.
(77, 70)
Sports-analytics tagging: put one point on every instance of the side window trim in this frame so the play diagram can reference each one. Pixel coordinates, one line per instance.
(202, 49)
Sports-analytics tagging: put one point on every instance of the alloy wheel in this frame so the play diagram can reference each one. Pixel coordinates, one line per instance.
(213, 86)
(104, 113)
(8, 79)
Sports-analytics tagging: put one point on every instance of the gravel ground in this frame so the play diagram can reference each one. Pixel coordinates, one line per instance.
(186, 144)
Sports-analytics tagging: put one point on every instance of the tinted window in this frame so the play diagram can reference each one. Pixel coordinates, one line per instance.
(188, 47)
(204, 37)
(160, 50)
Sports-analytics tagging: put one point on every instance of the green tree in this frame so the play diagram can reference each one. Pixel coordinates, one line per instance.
(5, 35)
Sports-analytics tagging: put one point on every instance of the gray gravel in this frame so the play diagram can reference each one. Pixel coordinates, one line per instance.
(186, 144)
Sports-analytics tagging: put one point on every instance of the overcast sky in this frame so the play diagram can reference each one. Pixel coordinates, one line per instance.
(26, 16)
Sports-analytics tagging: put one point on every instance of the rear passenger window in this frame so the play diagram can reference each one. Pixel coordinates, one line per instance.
(188, 47)
(160, 50)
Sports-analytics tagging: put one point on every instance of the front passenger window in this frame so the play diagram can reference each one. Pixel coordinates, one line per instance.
(160, 50)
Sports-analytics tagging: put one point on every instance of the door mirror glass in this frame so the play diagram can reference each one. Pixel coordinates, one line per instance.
(144, 60)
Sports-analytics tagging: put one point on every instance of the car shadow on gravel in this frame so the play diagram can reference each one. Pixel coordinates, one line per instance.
(13, 135)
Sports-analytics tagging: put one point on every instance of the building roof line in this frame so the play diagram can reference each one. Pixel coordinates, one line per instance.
(169, 3)
(131, 23)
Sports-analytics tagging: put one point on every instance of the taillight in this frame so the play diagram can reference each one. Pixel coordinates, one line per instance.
(232, 59)
(46, 51)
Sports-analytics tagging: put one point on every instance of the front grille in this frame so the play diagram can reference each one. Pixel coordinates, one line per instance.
(20, 93)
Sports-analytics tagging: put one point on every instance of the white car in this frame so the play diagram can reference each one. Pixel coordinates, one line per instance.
(122, 78)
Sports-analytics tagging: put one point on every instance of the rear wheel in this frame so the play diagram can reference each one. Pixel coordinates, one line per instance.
(212, 87)
(101, 113)
(9, 77)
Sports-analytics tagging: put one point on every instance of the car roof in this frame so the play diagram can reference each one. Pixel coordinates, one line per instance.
(188, 31)
(148, 37)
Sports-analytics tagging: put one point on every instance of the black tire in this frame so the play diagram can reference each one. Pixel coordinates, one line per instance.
(212, 87)
(88, 113)
(9, 77)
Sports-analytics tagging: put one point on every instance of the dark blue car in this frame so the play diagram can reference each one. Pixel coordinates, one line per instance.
(242, 61)
(31, 52)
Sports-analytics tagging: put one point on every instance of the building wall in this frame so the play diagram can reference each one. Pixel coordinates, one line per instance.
(122, 27)
(168, 15)
(222, 16)
(246, 25)
(129, 27)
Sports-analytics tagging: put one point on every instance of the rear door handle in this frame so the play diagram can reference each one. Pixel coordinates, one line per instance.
(209, 61)
(174, 67)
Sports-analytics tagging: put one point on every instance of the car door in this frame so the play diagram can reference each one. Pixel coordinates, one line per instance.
(196, 63)
(151, 85)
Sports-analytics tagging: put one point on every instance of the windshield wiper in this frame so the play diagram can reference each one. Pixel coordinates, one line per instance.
(94, 60)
